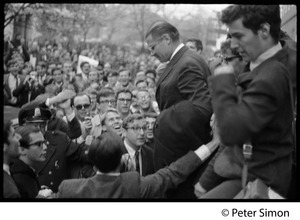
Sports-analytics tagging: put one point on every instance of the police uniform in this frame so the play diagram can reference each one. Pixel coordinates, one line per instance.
(60, 149)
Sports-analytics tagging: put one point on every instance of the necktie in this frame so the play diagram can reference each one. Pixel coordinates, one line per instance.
(17, 81)
(137, 161)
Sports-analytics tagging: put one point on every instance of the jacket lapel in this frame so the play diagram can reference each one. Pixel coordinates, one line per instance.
(171, 64)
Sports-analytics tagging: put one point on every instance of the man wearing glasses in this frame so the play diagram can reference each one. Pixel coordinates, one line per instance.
(138, 156)
(124, 100)
(183, 99)
(105, 99)
(60, 149)
(90, 126)
(33, 150)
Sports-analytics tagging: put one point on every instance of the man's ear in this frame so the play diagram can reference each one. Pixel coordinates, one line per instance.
(22, 151)
(168, 38)
(104, 128)
(265, 30)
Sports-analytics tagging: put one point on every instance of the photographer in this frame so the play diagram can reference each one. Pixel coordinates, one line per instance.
(29, 89)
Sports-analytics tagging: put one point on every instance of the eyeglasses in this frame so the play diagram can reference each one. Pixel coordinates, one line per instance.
(39, 143)
(145, 97)
(112, 101)
(80, 107)
(229, 59)
(136, 129)
(152, 48)
(123, 100)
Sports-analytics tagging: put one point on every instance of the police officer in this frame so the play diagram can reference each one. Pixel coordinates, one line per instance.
(60, 148)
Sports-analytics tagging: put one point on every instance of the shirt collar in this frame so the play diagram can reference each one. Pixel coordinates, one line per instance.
(129, 149)
(6, 168)
(107, 174)
(266, 55)
(176, 50)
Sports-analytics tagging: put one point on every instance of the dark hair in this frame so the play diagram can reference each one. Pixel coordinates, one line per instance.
(198, 43)
(151, 71)
(131, 118)
(253, 16)
(158, 28)
(55, 69)
(123, 91)
(106, 151)
(105, 92)
(25, 132)
(11, 62)
(124, 70)
(42, 64)
(141, 79)
(6, 131)
(83, 63)
(80, 94)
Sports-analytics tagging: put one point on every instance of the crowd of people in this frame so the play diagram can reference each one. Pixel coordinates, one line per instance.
(167, 124)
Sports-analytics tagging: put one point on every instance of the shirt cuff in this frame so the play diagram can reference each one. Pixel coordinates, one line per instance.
(202, 152)
(80, 140)
(47, 102)
(71, 116)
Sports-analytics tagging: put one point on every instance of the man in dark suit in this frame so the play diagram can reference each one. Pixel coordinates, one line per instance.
(139, 155)
(106, 153)
(183, 99)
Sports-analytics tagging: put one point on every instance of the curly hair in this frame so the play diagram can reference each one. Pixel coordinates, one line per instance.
(253, 16)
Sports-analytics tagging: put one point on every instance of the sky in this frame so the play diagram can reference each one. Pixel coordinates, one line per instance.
(190, 8)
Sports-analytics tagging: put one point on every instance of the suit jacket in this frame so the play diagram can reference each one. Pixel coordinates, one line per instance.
(185, 105)
(263, 116)
(23, 91)
(8, 90)
(131, 184)
(25, 178)
(10, 190)
(147, 159)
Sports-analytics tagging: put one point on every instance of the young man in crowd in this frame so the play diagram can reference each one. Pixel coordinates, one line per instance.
(262, 114)
(112, 121)
(124, 80)
(10, 152)
(195, 45)
(140, 156)
(124, 99)
(33, 151)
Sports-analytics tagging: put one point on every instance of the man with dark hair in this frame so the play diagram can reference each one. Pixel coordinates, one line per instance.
(32, 152)
(139, 156)
(10, 152)
(112, 121)
(262, 114)
(195, 44)
(106, 153)
(60, 149)
(124, 100)
(106, 99)
(183, 99)
(124, 79)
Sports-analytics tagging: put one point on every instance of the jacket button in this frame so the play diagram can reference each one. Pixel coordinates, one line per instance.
(51, 183)
(50, 173)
